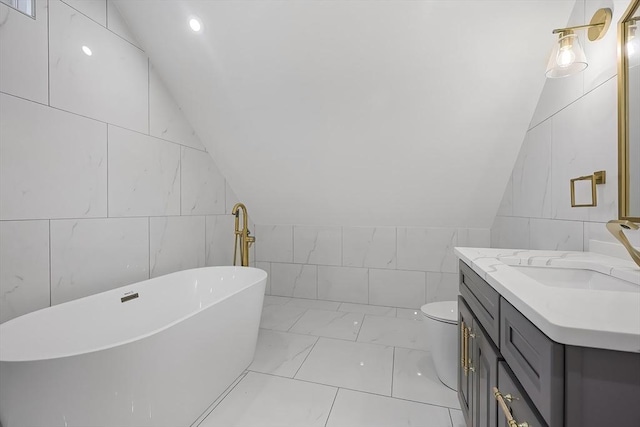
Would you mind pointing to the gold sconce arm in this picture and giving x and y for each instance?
(597, 178)
(598, 26)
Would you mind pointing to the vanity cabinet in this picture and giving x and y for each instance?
(543, 383)
(478, 367)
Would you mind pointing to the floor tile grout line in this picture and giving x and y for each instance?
(306, 357)
(334, 402)
(330, 337)
(297, 320)
(220, 398)
(393, 368)
(354, 389)
(450, 417)
(361, 326)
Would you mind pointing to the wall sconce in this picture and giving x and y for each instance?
(567, 57)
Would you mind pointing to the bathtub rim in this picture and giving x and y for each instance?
(119, 290)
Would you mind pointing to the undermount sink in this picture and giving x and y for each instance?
(576, 279)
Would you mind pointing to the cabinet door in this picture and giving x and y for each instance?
(465, 379)
(485, 376)
(521, 409)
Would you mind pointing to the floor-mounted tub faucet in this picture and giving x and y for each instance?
(617, 227)
(243, 237)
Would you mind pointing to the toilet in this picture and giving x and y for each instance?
(441, 320)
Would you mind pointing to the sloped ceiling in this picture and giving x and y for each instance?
(357, 112)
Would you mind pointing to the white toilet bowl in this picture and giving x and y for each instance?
(441, 320)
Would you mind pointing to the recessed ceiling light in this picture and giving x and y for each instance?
(87, 51)
(195, 24)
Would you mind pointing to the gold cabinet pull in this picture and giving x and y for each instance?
(463, 355)
(470, 335)
(507, 413)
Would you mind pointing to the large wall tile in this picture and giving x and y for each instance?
(506, 204)
(317, 245)
(203, 186)
(89, 256)
(24, 65)
(118, 25)
(52, 164)
(397, 288)
(427, 249)
(144, 175)
(110, 85)
(584, 142)
(556, 95)
(94, 9)
(220, 240)
(346, 284)
(274, 243)
(442, 287)
(532, 174)
(294, 280)
(266, 266)
(556, 235)
(598, 231)
(230, 199)
(510, 233)
(24, 267)
(177, 243)
(369, 247)
(474, 237)
(166, 119)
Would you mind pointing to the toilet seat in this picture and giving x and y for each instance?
(443, 311)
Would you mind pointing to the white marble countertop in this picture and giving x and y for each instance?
(588, 318)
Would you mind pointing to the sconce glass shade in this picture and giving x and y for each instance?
(567, 57)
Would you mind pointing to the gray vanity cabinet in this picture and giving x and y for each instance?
(465, 381)
(478, 364)
(485, 375)
(477, 370)
(544, 383)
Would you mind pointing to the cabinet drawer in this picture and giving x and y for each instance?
(536, 361)
(483, 300)
(522, 410)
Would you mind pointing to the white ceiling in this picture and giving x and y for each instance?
(357, 112)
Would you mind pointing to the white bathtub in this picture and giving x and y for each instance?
(157, 360)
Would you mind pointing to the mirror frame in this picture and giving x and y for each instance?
(623, 114)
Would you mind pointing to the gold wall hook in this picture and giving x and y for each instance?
(597, 178)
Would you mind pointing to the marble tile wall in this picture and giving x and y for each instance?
(386, 266)
(573, 133)
(103, 182)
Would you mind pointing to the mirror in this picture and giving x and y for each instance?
(629, 113)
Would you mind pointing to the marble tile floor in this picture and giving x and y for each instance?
(330, 364)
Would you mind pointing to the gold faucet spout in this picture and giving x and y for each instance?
(617, 227)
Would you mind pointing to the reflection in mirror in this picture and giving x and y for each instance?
(629, 113)
(24, 6)
(633, 118)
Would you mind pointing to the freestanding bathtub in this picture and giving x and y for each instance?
(155, 353)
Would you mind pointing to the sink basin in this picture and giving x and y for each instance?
(571, 278)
